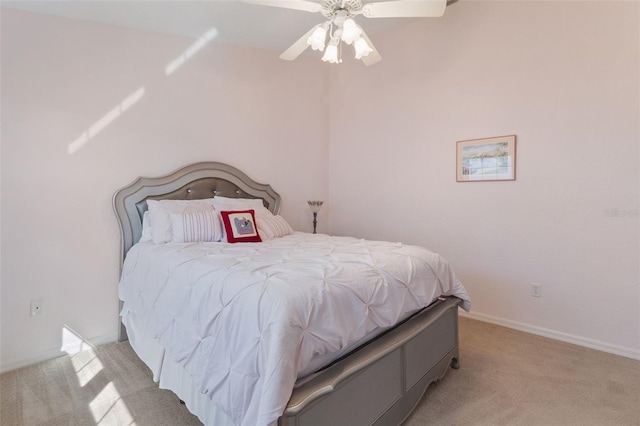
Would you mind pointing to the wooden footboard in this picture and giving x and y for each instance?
(382, 382)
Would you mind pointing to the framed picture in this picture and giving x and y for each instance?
(486, 159)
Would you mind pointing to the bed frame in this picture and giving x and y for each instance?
(380, 382)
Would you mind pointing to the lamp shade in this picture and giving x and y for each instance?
(315, 206)
(331, 52)
(317, 38)
(362, 48)
(350, 31)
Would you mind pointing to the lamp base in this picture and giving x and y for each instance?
(315, 222)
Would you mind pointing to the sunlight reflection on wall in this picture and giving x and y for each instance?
(191, 50)
(107, 119)
(72, 342)
(116, 112)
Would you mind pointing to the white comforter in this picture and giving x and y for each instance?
(244, 319)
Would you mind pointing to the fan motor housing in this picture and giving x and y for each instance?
(331, 7)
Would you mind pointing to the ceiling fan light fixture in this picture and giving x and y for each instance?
(341, 27)
(362, 48)
(318, 37)
(350, 31)
(331, 52)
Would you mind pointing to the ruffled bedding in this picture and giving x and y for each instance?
(245, 319)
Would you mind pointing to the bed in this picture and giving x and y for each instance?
(298, 370)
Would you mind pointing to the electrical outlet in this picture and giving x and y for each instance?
(536, 290)
(36, 307)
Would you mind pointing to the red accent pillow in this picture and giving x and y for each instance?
(240, 226)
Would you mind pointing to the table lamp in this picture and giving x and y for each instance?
(315, 207)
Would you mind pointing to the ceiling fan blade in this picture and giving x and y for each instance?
(305, 5)
(298, 47)
(373, 57)
(405, 9)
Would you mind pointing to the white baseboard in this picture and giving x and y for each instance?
(552, 334)
(51, 354)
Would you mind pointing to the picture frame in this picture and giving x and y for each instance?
(487, 159)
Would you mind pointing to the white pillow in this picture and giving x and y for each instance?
(225, 203)
(272, 226)
(194, 226)
(146, 228)
(160, 211)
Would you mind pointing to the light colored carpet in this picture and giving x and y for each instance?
(106, 386)
(506, 377)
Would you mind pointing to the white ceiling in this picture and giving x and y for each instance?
(235, 22)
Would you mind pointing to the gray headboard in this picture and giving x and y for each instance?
(193, 182)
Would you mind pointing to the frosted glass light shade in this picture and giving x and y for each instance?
(331, 53)
(350, 31)
(317, 38)
(315, 206)
(362, 48)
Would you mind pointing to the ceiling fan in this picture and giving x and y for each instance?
(341, 27)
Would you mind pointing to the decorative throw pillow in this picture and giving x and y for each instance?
(160, 211)
(240, 226)
(196, 226)
(272, 226)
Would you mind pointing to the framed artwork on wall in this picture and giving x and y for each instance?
(487, 159)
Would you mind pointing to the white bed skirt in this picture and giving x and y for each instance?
(170, 375)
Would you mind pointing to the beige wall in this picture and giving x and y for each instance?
(65, 80)
(562, 76)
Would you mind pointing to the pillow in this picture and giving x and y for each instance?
(160, 211)
(225, 203)
(269, 225)
(146, 228)
(195, 226)
(255, 204)
(272, 226)
(240, 226)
